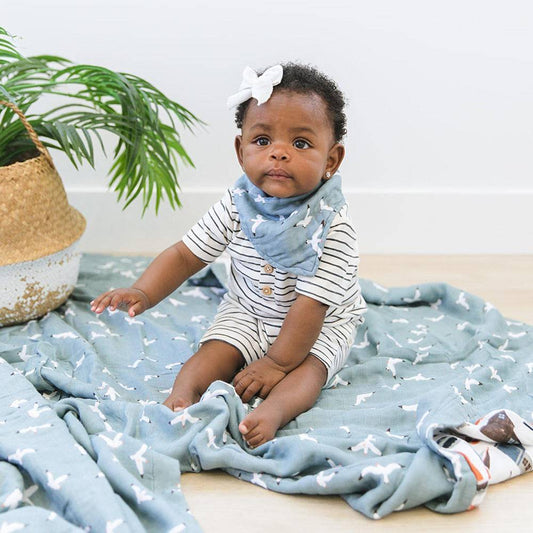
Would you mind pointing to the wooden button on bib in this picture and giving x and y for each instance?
(268, 269)
(267, 291)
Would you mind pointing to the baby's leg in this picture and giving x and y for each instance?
(214, 360)
(294, 394)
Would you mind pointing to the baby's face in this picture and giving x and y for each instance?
(287, 144)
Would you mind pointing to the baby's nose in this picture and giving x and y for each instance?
(279, 152)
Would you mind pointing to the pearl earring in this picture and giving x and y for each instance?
(328, 175)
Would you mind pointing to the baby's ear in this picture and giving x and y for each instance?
(335, 157)
(238, 149)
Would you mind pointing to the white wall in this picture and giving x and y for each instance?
(440, 107)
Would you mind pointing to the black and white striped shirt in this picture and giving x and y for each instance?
(267, 292)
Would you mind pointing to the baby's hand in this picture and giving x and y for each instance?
(258, 378)
(134, 301)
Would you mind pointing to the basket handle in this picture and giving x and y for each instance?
(31, 132)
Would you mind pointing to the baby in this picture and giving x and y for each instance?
(286, 325)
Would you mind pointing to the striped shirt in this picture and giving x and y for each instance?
(268, 293)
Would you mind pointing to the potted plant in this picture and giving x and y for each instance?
(80, 102)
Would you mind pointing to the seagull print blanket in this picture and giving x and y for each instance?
(434, 405)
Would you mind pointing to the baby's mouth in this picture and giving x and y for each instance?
(278, 173)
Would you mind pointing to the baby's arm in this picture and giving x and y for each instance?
(163, 276)
(298, 334)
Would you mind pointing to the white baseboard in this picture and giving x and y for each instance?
(388, 222)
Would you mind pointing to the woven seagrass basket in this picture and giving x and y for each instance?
(39, 233)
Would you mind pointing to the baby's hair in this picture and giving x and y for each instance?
(304, 79)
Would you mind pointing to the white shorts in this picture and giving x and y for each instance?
(253, 337)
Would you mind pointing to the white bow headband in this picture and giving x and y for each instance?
(254, 86)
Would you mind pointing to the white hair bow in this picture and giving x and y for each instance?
(254, 86)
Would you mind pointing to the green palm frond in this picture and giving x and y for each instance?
(143, 120)
(8, 51)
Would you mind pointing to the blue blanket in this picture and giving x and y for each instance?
(434, 405)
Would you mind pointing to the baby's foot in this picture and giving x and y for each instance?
(178, 402)
(260, 425)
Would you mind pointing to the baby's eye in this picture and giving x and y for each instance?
(301, 144)
(262, 141)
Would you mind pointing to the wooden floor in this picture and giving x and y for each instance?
(223, 504)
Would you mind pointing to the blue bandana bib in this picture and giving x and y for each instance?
(289, 233)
